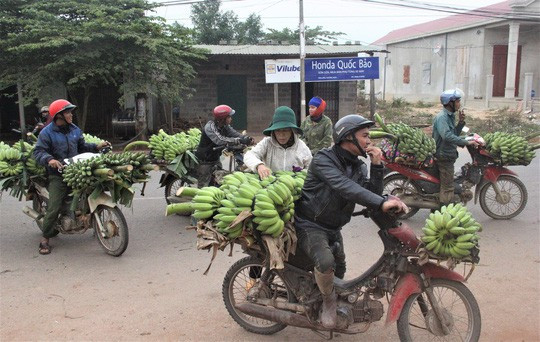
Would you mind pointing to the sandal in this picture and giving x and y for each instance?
(44, 248)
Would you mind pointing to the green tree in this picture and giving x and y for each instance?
(211, 25)
(250, 31)
(316, 35)
(86, 43)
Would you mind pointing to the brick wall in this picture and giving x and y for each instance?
(260, 96)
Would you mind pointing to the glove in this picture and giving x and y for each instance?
(246, 140)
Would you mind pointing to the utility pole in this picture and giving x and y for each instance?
(372, 101)
(302, 66)
(21, 110)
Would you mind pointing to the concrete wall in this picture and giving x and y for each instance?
(465, 58)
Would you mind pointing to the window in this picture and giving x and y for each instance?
(406, 74)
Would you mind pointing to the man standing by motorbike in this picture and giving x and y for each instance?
(337, 180)
(58, 140)
(446, 135)
(216, 132)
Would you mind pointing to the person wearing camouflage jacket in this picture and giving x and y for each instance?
(317, 127)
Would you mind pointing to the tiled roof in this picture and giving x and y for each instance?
(288, 50)
(450, 23)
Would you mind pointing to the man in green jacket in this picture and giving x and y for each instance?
(317, 127)
(446, 135)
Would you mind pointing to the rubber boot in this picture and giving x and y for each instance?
(325, 281)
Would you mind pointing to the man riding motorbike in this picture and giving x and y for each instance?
(335, 183)
(58, 140)
(446, 135)
(216, 132)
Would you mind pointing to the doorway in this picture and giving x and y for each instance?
(500, 58)
(232, 91)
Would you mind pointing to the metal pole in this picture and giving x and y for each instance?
(276, 95)
(21, 110)
(302, 66)
(371, 96)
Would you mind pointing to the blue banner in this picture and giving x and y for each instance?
(341, 69)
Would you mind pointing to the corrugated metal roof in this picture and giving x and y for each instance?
(288, 50)
(448, 24)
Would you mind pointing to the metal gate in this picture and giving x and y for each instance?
(328, 91)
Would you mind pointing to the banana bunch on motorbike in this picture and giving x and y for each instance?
(511, 149)
(270, 201)
(167, 147)
(451, 232)
(408, 145)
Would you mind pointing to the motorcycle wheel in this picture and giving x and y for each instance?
(396, 182)
(512, 201)
(116, 240)
(235, 289)
(417, 321)
(39, 205)
(172, 185)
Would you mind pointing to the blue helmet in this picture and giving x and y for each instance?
(450, 95)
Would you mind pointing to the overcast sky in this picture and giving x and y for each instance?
(360, 21)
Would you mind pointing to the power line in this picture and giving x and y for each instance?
(528, 16)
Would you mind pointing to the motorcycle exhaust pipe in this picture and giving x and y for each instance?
(31, 212)
(411, 202)
(276, 315)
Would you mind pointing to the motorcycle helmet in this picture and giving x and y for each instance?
(451, 95)
(44, 109)
(58, 107)
(222, 111)
(347, 126)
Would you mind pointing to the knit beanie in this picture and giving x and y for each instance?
(319, 103)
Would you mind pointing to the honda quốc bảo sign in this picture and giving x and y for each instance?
(341, 69)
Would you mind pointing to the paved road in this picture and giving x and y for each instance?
(156, 290)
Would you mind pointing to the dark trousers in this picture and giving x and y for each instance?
(446, 177)
(58, 190)
(320, 246)
(204, 172)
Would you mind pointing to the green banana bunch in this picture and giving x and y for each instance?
(414, 146)
(271, 202)
(206, 202)
(451, 232)
(168, 147)
(11, 163)
(91, 139)
(510, 148)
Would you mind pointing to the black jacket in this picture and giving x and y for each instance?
(335, 183)
(213, 136)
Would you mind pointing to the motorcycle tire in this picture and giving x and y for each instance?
(172, 185)
(394, 182)
(235, 288)
(506, 207)
(417, 321)
(113, 219)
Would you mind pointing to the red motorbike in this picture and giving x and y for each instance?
(428, 301)
(502, 195)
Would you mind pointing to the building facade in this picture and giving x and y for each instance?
(235, 75)
(492, 53)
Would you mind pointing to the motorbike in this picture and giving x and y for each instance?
(171, 182)
(426, 300)
(501, 194)
(97, 212)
